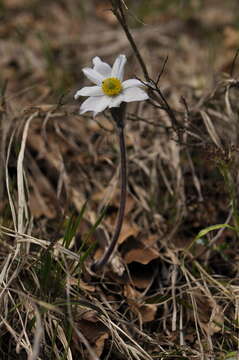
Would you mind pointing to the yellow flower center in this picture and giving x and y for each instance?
(111, 86)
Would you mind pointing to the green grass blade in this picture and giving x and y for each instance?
(72, 226)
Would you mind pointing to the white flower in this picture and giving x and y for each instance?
(110, 89)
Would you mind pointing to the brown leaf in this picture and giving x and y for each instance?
(100, 342)
(92, 330)
(141, 253)
(130, 293)
(128, 229)
(82, 284)
(210, 314)
(130, 204)
(95, 332)
(215, 323)
(145, 312)
(148, 312)
(150, 240)
(91, 316)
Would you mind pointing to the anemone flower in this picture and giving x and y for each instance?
(109, 90)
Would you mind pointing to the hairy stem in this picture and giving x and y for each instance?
(118, 116)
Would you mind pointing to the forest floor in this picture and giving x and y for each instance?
(171, 290)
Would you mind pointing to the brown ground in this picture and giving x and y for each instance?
(175, 302)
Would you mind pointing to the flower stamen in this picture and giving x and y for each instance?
(111, 86)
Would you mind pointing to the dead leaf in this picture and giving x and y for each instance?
(148, 312)
(151, 240)
(130, 293)
(92, 330)
(98, 254)
(100, 342)
(215, 323)
(145, 312)
(82, 284)
(95, 332)
(210, 314)
(128, 229)
(141, 253)
(91, 316)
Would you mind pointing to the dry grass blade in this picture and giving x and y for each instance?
(39, 332)
(22, 205)
(134, 351)
(211, 129)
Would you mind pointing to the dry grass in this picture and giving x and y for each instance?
(167, 293)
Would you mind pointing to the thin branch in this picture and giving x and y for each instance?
(162, 70)
(118, 11)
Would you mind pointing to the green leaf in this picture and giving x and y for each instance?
(205, 231)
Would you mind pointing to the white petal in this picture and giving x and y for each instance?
(102, 104)
(118, 67)
(131, 82)
(134, 94)
(93, 76)
(101, 67)
(89, 91)
(116, 101)
(88, 105)
(95, 104)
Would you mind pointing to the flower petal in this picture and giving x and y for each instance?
(101, 67)
(95, 104)
(93, 76)
(88, 105)
(116, 101)
(131, 82)
(134, 94)
(89, 91)
(118, 67)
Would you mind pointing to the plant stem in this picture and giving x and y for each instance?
(119, 14)
(118, 116)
